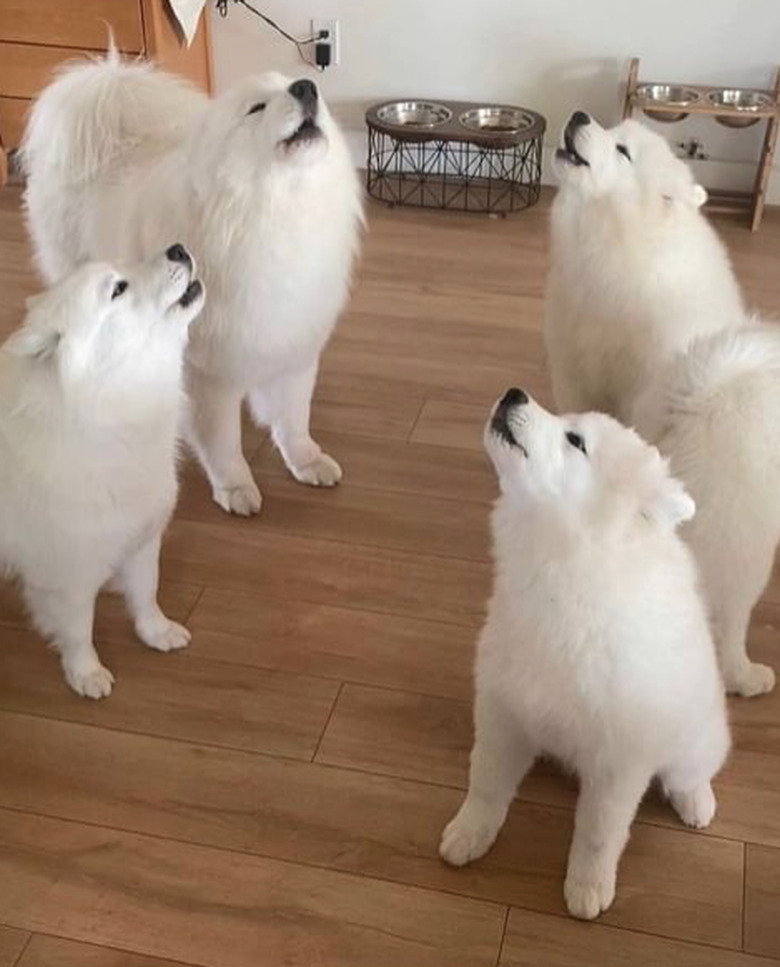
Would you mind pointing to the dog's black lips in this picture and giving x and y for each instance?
(191, 293)
(501, 428)
(569, 151)
(306, 131)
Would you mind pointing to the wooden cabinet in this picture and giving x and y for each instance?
(64, 23)
(36, 36)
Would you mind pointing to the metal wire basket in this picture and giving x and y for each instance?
(454, 155)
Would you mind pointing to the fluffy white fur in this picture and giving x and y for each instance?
(596, 648)
(123, 159)
(713, 411)
(637, 272)
(90, 396)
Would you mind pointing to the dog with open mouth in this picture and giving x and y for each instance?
(636, 272)
(596, 649)
(259, 184)
(91, 393)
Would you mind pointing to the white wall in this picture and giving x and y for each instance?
(549, 55)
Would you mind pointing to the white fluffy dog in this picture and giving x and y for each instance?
(596, 647)
(258, 183)
(637, 272)
(714, 412)
(90, 397)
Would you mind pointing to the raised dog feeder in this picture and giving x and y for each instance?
(731, 107)
(669, 96)
(746, 103)
(455, 155)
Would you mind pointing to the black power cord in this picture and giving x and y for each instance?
(222, 7)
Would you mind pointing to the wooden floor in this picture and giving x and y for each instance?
(275, 794)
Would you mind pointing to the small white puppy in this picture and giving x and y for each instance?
(258, 183)
(596, 647)
(90, 397)
(637, 272)
(714, 412)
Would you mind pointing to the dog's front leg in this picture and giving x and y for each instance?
(605, 810)
(66, 616)
(138, 579)
(499, 760)
(213, 429)
(285, 405)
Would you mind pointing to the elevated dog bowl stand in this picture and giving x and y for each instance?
(465, 158)
(728, 201)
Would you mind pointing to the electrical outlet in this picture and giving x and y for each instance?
(331, 28)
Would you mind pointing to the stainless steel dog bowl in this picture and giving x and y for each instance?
(496, 120)
(742, 100)
(414, 114)
(670, 95)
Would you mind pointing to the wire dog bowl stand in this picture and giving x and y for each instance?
(455, 155)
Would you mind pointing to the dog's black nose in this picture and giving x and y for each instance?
(514, 397)
(578, 119)
(305, 92)
(178, 253)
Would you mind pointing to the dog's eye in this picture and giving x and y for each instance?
(576, 441)
(622, 149)
(118, 289)
(255, 108)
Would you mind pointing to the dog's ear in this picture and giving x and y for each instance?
(698, 196)
(666, 500)
(34, 343)
(685, 192)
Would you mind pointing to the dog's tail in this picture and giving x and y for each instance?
(714, 363)
(95, 113)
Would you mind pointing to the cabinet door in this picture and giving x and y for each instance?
(67, 23)
(26, 69)
(13, 117)
(165, 46)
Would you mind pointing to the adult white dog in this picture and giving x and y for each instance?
(637, 272)
(90, 398)
(714, 412)
(596, 647)
(258, 183)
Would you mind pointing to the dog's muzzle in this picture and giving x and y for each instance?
(193, 291)
(305, 92)
(499, 423)
(569, 151)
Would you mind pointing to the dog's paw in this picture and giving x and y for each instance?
(168, 637)
(468, 836)
(695, 808)
(586, 898)
(323, 471)
(95, 682)
(244, 500)
(752, 679)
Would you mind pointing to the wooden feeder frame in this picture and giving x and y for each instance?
(728, 201)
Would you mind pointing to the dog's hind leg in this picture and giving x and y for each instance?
(66, 617)
(605, 810)
(285, 405)
(138, 578)
(500, 758)
(214, 431)
(687, 779)
(731, 619)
